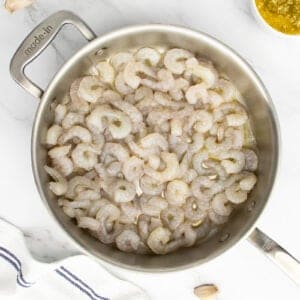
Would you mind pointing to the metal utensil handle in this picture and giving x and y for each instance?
(37, 41)
(289, 264)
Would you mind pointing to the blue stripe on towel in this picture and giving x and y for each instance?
(17, 264)
(83, 283)
(17, 269)
(82, 289)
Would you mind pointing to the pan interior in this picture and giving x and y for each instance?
(263, 121)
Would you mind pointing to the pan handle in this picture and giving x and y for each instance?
(37, 41)
(284, 260)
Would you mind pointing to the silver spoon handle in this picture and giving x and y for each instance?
(284, 260)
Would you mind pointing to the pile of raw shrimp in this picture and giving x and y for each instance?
(151, 151)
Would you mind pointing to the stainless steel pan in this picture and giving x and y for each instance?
(242, 225)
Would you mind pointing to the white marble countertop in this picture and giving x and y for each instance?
(241, 273)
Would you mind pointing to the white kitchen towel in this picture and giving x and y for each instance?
(76, 278)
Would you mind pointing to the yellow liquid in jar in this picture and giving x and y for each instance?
(282, 15)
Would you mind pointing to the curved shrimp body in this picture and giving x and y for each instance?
(233, 112)
(129, 241)
(196, 210)
(53, 134)
(176, 192)
(90, 89)
(148, 56)
(164, 83)
(119, 123)
(119, 60)
(106, 72)
(172, 217)
(123, 191)
(205, 72)
(197, 93)
(85, 156)
(174, 60)
(75, 134)
(200, 121)
(60, 185)
(170, 171)
(132, 69)
(221, 205)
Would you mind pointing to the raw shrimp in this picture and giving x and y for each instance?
(133, 168)
(155, 140)
(185, 234)
(130, 212)
(148, 56)
(53, 134)
(200, 121)
(123, 191)
(85, 156)
(221, 205)
(170, 171)
(151, 186)
(129, 241)
(83, 204)
(174, 60)
(251, 160)
(60, 112)
(154, 161)
(90, 89)
(88, 223)
(60, 186)
(165, 100)
(116, 150)
(139, 150)
(71, 119)
(198, 161)
(120, 59)
(197, 144)
(78, 104)
(201, 186)
(132, 69)
(164, 82)
(176, 127)
(114, 168)
(78, 184)
(121, 86)
(233, 112)
(214, 99)
(189, 176)
(109, 227)
(235, 194)
(176, 192)
(106, 72)
(60, 159)
(133, 113)
(172, 217)
(76, 133)
(180, 85)
(201, 70)
(153, 206)
(196, 210)
(158, 240)
(119, 123)
(88, 195)
(95, 206)
(227, 89)
(217, 219)
(196, 93)
(248, 182)
(233, 161)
